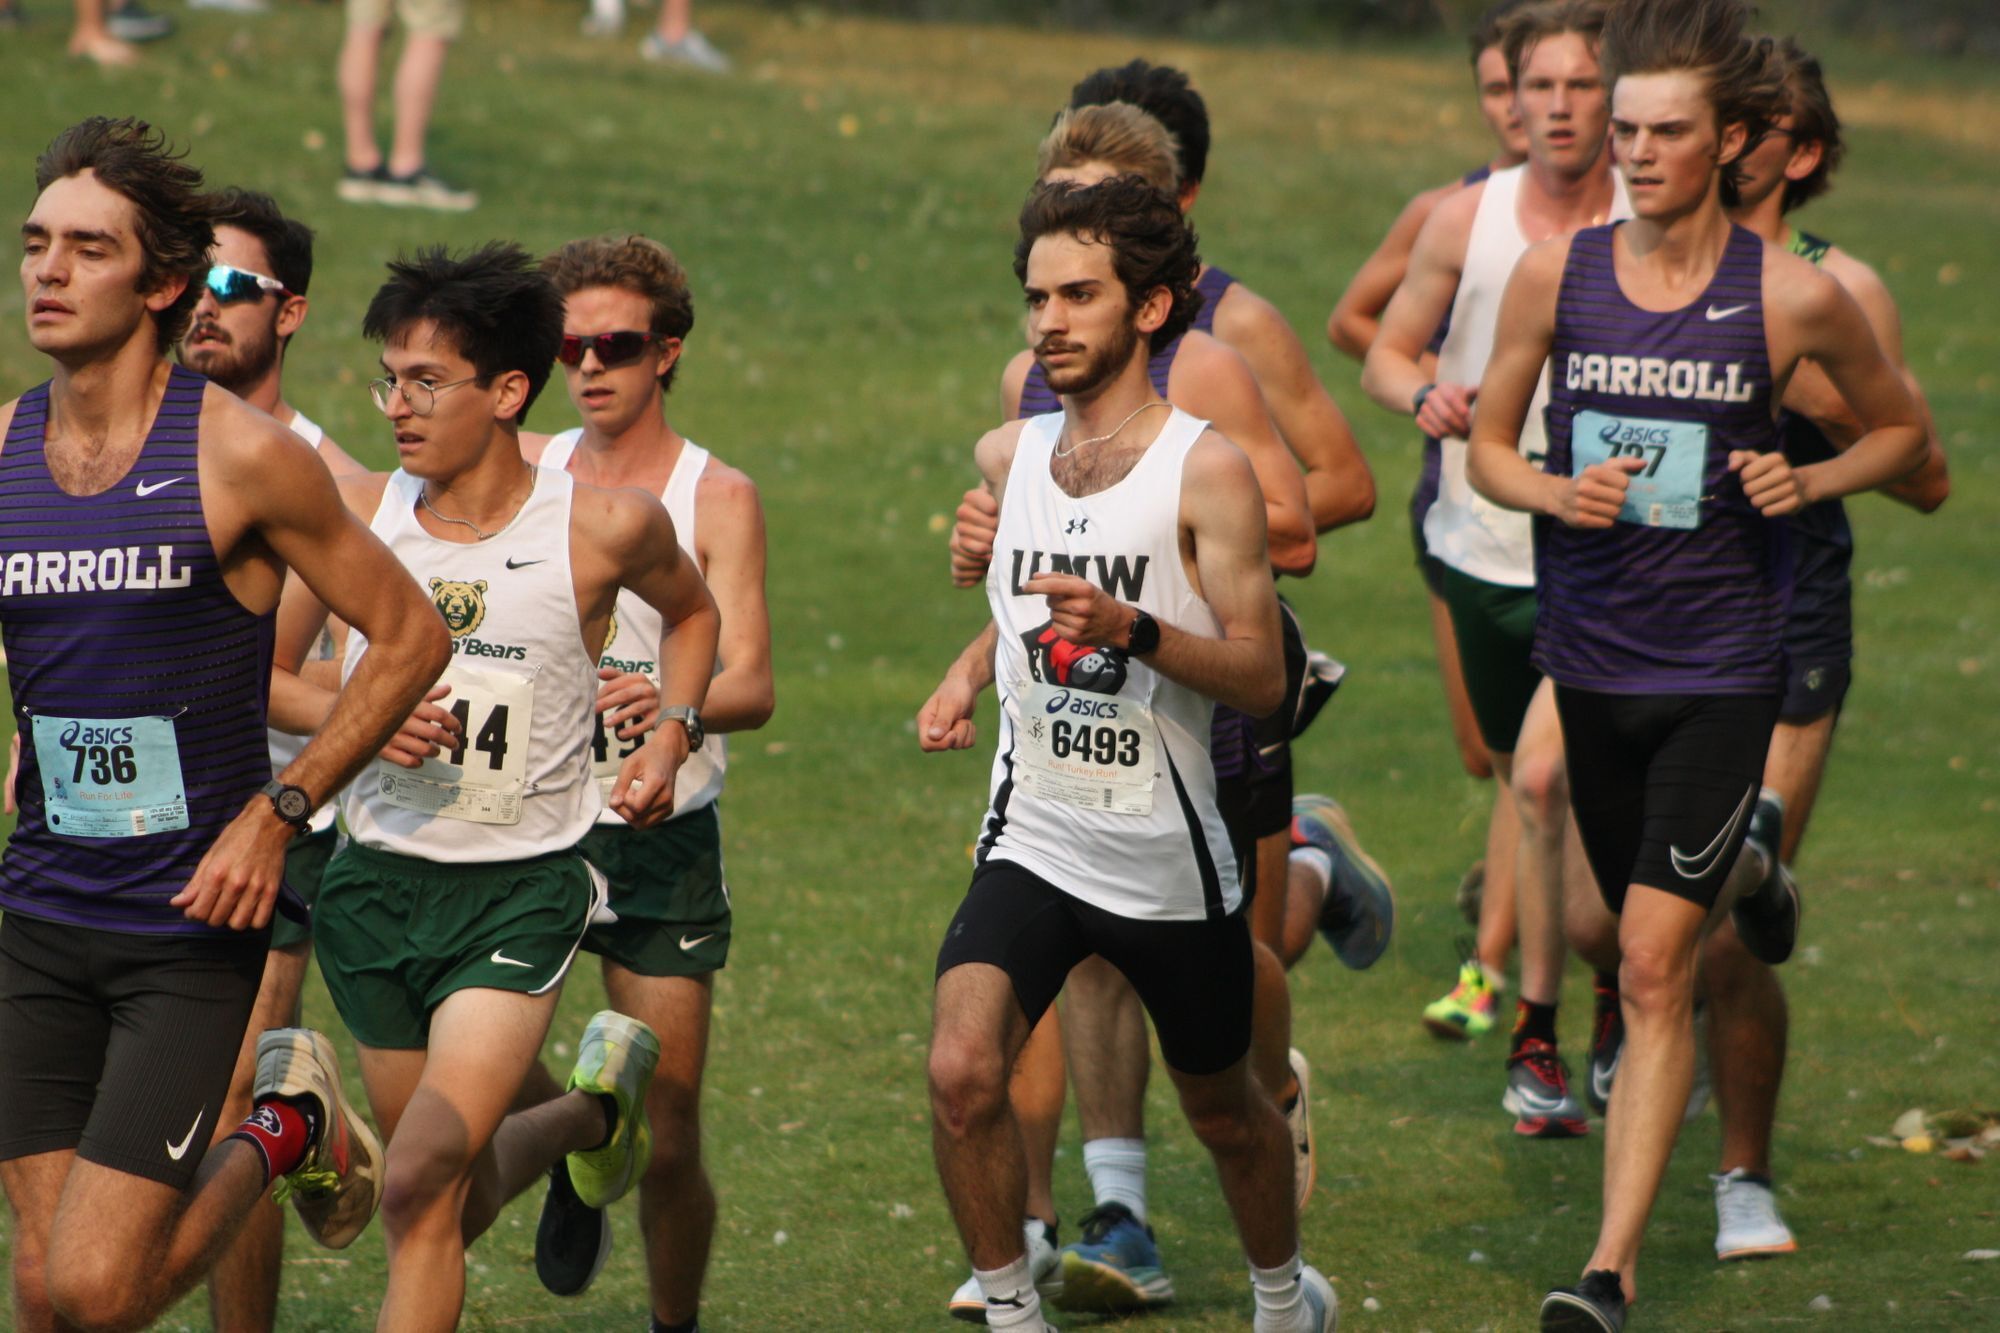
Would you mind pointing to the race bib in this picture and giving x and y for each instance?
(1666, 493)
(1093, 751)
(484, 780)
(110, 777)
(608, 754)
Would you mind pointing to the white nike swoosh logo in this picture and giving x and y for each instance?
(687, 943)
(145, 489)
(1537, 1102)
(1601, 1077)
(1699, 864)
(179, 1150)
(1725, 312)
(499, 957)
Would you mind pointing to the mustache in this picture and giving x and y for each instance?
(206, 330)
(1049, 345)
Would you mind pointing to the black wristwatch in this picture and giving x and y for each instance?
(1417, 402)
(1144, 636)
(291, 804)
(690, 719)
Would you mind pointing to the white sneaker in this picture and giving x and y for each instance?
(1747, 1225)
(1321, 1303)
(1044, 1269)
(1298, 1119)
(693, 51)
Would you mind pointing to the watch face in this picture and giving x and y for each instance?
(293, 804)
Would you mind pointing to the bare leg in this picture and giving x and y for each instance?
(676, 1200)
(676, 17)
(33, 1185)
(1109, 1055)
(1038, 1089)
(418, 74)
(1240, 1126)
(977, 1031)
(1464, 725)
(1497, 902)
(1271, 1002)
(93, 41)
(243, 1287)
(1540, 784)
(1660, 935)
(360, 52)
(1588, 924)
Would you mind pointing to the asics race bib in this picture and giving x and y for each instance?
(1093, 751)
(483, 780)
(1666, 493)
(110, 777)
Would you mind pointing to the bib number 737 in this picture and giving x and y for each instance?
(484, 778)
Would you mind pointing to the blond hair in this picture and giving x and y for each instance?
(1118, 134)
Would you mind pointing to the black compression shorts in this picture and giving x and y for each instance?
(1663, 785)
(1194, 977)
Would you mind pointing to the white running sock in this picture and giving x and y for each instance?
(1317, 860)
(1011, 1301)
(1117, 1171)
(1281, 1304)
(611, 11)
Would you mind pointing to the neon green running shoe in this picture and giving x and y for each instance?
(1470, 1008)
(336, 1188)
(616, 1057)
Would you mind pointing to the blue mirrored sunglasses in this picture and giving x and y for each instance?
(230, 285)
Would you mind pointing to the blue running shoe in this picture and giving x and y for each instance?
(1115, 1268)
(1359, 914)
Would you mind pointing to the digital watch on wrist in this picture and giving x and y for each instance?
(291, 804)
(1144, 636)
(690, 719)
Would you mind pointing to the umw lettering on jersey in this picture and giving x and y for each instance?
(112, 569)
(512, 652)
(1121, 576)
(1657, 377)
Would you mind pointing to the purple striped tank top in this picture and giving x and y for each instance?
(1036, 398)
(1685, 594)
(116, 618)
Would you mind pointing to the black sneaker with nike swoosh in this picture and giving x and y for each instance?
(1594, 1305)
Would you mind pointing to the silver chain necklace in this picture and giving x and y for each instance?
(424, 499)
(1100, 439)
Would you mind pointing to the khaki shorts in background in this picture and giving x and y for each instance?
(421, 18)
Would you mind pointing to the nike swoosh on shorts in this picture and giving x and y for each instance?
(1701, 863)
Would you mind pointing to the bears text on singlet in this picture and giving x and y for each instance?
(1120, 576)
(1657, 377)
(109, 569)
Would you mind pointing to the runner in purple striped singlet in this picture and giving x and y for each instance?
(146, 523)
(253, 305)
(1748, 1023)
(1669, 341)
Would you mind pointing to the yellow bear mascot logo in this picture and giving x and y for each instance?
(463, 605)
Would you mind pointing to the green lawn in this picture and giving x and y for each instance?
(845, 206)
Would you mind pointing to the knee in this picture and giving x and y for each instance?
(1541, 790)
(676, 1142)
(968, 1081)
(415, 1185)
(1655, 981)
(1226, 1130)
(91, 1293)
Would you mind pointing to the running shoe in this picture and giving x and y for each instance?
(1767, 917)
(1747, 1225)
(1359, 913)
(135, 23)
(362, 187)
(1115, 1268)
(1607, 1043)
(1594, 1305)
(615, 1059)
(422, 189)
(1538, 1095)
(336, 1187)
(572, 1240)
(1321, 1302)
(1469, 1010)
(1298, 1119)
(1471, 893)
(1045, 1269)
(693, 51)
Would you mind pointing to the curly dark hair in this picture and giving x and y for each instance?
(1152, 244)
(494, 304)
(288, 241)
(174, 219)
(636, 264)
(1162, 92)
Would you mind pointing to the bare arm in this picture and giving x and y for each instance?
(1221, 510)
(1394, 369)
(1356, 318)
(1339, 487)
(742, 696)
(945, 720)
(1212, 381)
(1930, 485)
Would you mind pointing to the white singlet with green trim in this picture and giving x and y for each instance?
(522, 686)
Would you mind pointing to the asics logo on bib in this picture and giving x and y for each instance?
(76, 733)
(112, 569)
(1635, 432)
(1079, 706)
(1122, 577)
(463, 605)
(1657, 377)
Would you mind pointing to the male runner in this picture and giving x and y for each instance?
(1747, 1017)
(447, 923)
(1351, 328)
(1670, 340)
(627, 312)
(1459, 268)
(1104, 835)
(252, 306)
(147, 527)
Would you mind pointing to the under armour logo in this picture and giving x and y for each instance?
(1077, 525)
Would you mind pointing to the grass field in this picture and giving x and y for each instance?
(845, 207)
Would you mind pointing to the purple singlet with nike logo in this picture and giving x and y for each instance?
(1685, 593)
(126, 651)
